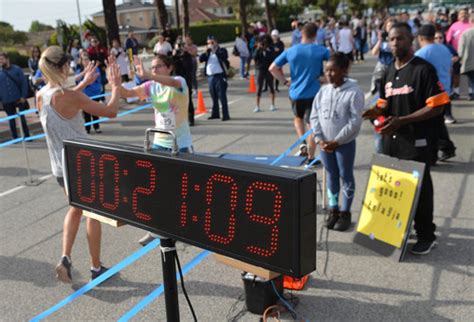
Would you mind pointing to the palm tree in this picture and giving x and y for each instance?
(110, 16)
(185, 16)
(162, 14)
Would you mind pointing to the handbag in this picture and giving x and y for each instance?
(235, 51)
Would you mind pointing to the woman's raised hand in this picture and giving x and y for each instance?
(90, 73)
(113, 74)
(139, 69)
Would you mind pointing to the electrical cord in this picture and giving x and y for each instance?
(184, 289)
(290, 308)
(231, 315)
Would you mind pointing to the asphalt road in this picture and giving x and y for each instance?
(358, 284)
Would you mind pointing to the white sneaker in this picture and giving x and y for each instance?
(256, 109)
(273, 108)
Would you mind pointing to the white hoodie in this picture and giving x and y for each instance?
(337, 112)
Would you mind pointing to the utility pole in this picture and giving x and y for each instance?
(80, 22)
(176, 5)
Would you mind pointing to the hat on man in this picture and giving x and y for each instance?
(275, 33)
(211, 37)
(427, 30)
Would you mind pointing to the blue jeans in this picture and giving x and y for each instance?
(378, 143)
(340, 165)
(243, 62)
(157, 147)
(470, 80)
(218, 90)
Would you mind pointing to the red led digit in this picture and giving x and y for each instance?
(80, 155)
(184, 194)
(262, 219)
(144, 190)
(102, 160)
(210, 200)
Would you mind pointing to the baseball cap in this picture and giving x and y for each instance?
(275, 33)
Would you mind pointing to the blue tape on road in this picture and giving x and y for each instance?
(157, 292)
(294, 145)
(113, 270)
(25, 112)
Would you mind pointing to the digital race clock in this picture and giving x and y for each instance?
(262, 215)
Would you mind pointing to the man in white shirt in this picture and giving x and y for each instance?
(217, 63)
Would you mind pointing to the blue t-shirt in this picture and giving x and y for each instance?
(306, 66)
(440, 57)
(95, 88)
(321, 36)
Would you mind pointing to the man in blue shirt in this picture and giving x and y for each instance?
(440, 57)
(13, 92)
(306, 67)
(296, 34)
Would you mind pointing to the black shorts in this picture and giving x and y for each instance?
(302, 108)
(60, 181)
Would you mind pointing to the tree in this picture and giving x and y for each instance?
(110, 16)
(328, 6)
(243, 14)
(268, 13)
(162, 14)
(185, 17)
(9, 37)
(38, 26)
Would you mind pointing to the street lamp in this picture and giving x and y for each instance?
(80, 22)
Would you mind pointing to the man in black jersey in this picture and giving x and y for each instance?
(411, 97)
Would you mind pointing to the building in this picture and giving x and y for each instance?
(139, 16)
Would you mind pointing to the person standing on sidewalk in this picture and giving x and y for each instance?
(216, 66)
(336, 118)
(61, 120)
(242, 51)
(306, 67)
(13, 92)
(466, 52)
(410, 99)
(440, 57)
(453, 36)
(263, 58)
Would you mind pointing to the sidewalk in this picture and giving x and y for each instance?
(34, 121)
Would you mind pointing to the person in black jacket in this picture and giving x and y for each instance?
(263, 57)
(217, 64)
(278, 47)
(183, 62)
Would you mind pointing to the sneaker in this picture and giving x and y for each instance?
(145, 240)
(303, 150)
(449, 120)
(332, 218)
(256, 109)
(95, 274)
(447, 155)
(63, 270)
(423, 247)
(454, 96)
(315, 164)
(344, 221)
(273, 108)
(97, 131)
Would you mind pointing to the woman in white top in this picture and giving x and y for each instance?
(162, 47)
(122, 59)
(345, 40)
(60, 114)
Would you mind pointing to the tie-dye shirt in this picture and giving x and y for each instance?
(171, 112)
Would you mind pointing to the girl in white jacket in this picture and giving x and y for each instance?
(336, 119)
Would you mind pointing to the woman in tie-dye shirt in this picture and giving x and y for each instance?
(169, 96)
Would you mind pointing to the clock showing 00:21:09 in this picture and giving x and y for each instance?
(258, 214)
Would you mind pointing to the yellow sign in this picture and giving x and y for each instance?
(387, 204)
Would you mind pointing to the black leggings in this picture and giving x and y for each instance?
(264, 75)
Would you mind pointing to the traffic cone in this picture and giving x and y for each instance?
(201, 109)
(294, 283)
(252, 88)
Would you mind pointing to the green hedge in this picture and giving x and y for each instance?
(17, 58)
(224, 31)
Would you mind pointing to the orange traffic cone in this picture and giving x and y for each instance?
(252, 88)
(201, 109)
(294, 283)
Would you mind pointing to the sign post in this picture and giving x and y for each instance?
(170, 284)
(389, 205)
